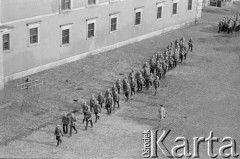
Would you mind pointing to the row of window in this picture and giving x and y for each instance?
(67, 4)
(91, 26)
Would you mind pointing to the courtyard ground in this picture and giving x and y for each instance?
(202, 95)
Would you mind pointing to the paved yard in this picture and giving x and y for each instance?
(202, 95)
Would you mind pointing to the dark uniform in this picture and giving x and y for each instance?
(85, 109)
(108, 94)
(133, 87)
(114, 88)
(118, 85)
(156, 84)
(65, 122)
(190, 44)
(124, 83)
(140, 82)
(127, 91)
(92, 102)
(96, 110)
(72, 124)
(116, 99)
(58, 134)
(88, 119)
(101, 99)
(109, 104)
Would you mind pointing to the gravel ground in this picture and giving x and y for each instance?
(202, 95)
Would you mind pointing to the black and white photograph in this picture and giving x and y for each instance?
(120, 79)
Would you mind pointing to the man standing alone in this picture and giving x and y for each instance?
(161, 113)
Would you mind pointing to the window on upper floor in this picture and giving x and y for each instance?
(189, 4)
(174, 11)
(92, 2)
(66, 4)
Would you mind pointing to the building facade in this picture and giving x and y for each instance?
(40, 34)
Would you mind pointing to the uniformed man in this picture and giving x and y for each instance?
(133, 87)
(116, 99)
(97, 109)
(127, 91)
(156, 84)
(114, 88)
(185, 50)
(161, 113)
(220, 25)
(182, 40)
(72, 124)
(92, 102)
(181, 54)
(190, 44)
(85, 109)
(88, 119)
(132, 75)
(58, 134)
(124, 83)
(118, 85)
(65, 122)
(108, 93)
(108, 104)
(140, 82)
(100, 99)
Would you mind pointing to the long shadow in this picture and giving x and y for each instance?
(39, 142)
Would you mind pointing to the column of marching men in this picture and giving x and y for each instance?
(229, 24)
(150, 75)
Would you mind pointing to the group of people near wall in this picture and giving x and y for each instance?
(151, 74)
(229, 24)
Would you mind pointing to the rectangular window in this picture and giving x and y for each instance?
(65, 4)
(159, 12)
(65, 34)
(174, 8)
(6, 42)
(91, 29)
(114, 22)
(189, 4)
(92, 2)
(138, 16)
(33, 35)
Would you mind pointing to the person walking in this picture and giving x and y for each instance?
(88, 119)
(65, 122)
(58, 134)
(72, 124)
